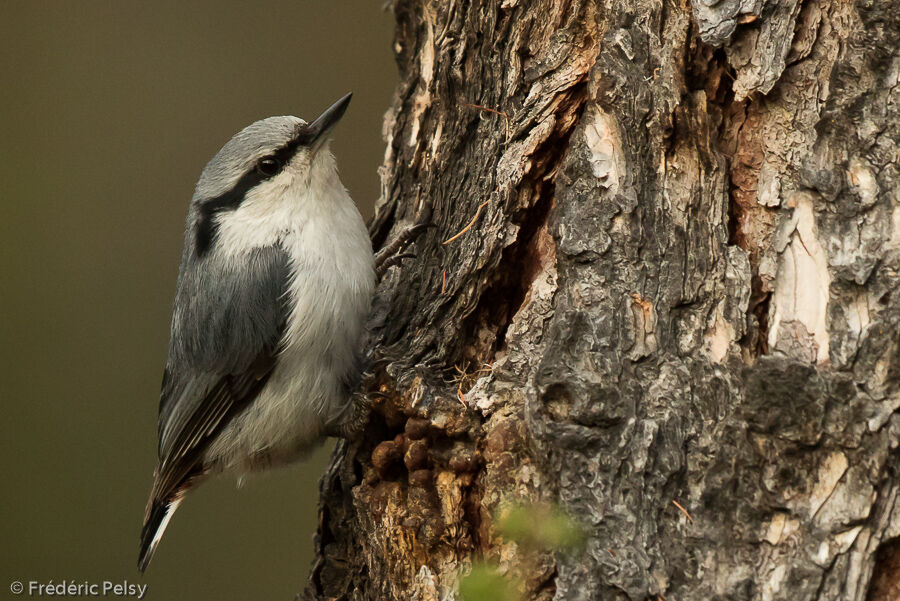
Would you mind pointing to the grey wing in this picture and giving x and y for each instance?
(227, 327)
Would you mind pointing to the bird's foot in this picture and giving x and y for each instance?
(354, 419)
(393, 253)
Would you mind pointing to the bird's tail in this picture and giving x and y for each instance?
(159, 512)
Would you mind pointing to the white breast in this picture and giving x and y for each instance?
(330, 293)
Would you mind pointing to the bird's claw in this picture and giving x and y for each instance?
(393, 254)
(355, 420)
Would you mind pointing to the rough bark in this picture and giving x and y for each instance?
(679, 286)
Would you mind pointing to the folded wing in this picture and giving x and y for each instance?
(227, 328)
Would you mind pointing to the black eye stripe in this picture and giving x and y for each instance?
(282, 157)
(205, 227)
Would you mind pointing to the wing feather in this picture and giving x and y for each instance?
(227, 328)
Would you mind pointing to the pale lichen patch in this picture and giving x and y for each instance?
(719, 337)
(781, 528)
(801, 288)
(605, 145)
(425, 586)
(773, 581)
(775, 528)
(642, 327)
(422, 99)
(862, 180)
(830, 473)
(436, 140)
(768, 186)
(844, 539)
(858, 317)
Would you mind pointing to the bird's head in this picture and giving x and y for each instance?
(268, 164)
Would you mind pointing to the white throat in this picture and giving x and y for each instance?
(302, 196)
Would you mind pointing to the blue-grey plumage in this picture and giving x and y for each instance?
(274, 288)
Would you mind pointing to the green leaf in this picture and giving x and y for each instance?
(485, 583)
(541, 526)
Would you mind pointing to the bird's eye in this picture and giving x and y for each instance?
(268, 166)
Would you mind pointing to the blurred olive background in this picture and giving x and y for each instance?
(109, 112)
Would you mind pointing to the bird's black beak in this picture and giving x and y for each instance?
(319, 129)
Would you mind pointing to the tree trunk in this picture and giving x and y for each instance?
(661, 295)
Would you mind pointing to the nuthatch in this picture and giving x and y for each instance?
(276, 281)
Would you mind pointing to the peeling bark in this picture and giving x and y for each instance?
(663, 277)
